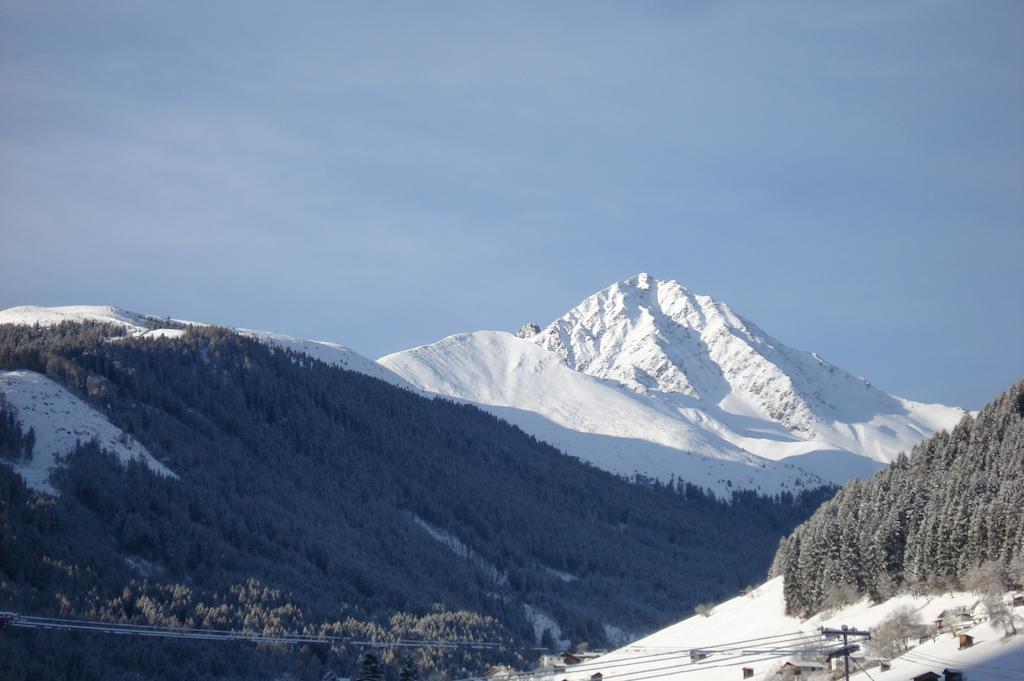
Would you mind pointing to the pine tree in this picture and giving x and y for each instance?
(408, 670)
(369, 668)
(925, 523)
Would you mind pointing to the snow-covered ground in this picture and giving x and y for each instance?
(753, 631)
(329, 353)
(60, 420)
(49, 316)
(647, 362)
(591, 418)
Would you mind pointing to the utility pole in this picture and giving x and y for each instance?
(846, 632)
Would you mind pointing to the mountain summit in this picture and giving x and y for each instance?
(664, 375)
(657, 336)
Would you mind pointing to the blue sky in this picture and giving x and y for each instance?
(849, 176)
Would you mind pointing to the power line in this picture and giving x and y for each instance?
(789, 640)
(921, 658)
(645, 673)
(715, 645)
(682, 660)
(285, 638)
(790, 643)
(705, 666)
(796, 643)
(846, 632)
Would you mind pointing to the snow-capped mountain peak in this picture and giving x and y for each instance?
(641, 332)
(657, 336)
(701, 379)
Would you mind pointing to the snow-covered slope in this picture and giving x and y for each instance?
(146, 325)
(48, 316)
(696, 378)
(753, 631)
(330, 353)
(60, 420)
(594, 419)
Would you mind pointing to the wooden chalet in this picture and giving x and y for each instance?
(798, 667)
(966, 641)
(836, 661)
(549, 661)
(748, 672)
(952, 675)
(499, 672)
(580, 656)
(927, 676)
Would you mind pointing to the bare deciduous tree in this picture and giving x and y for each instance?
(892, 635)
(1000, 615)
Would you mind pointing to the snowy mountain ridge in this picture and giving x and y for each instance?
(644, 377)
(657, 337)
(699, 379)
(141, 325)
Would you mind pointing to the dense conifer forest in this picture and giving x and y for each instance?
(955, 504)
(314, 499)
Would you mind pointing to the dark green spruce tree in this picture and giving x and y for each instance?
(956, 503)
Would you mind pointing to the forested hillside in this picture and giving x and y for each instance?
(956, 503)
(312, 498)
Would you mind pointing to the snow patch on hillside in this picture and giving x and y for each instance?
(560, 575)
(461, 549)
(542, 622)
(60, 420)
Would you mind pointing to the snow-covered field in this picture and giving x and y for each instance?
(60, 420)
(744, 631)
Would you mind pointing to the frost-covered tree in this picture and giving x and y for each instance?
(947, 514)
(840, 595)
(893, 634)
(985, 579)
(1001, 616)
